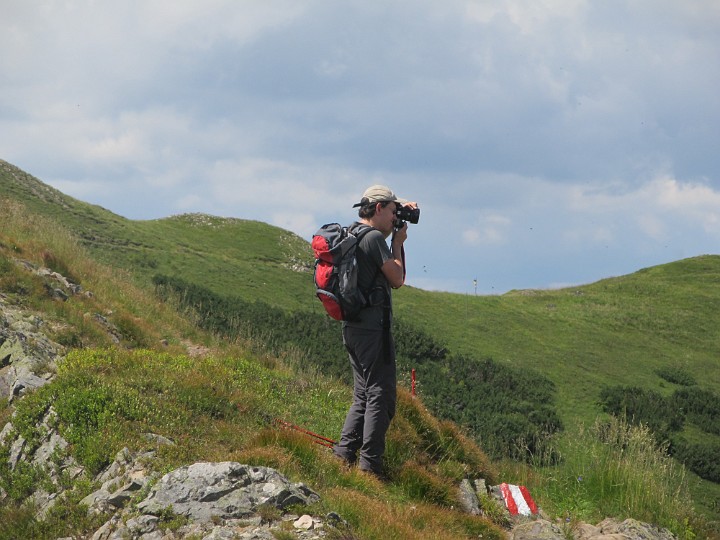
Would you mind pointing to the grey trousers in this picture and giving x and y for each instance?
(374, 399)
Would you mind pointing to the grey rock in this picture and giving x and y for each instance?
(158, 439)
(222, 533)
(16, 452)
(634, 530)
(123, 459)
(5, 433)
(207, 491)
(121, 480)
(304, 522)
(468, 499)
(27, 357)
(25, 380)
(104, 532)
(142, 524)
(537, 530)
(54, 443)
(97, 500)
(124, 494)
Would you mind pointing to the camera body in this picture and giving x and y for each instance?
(406, 214)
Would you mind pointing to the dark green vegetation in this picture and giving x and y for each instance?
(511, 368)
(667, 416)
(481, 395)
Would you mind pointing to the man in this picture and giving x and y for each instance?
(368, 339)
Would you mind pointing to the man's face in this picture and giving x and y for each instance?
(385, 217)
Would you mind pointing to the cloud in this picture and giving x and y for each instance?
(490, 229)
(656, 205)
(546, 141)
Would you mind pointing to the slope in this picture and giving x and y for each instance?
(616, 331)
(125, 371)
(228, 256)
(544, 330)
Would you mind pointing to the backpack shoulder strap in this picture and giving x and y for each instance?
(358, 229)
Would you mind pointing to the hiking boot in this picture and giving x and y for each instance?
(347, 463)
(382, 477)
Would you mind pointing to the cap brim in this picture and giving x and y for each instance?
(396, 200)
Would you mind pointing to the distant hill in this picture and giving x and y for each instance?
(228, 256)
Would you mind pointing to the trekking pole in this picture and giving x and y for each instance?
(317, 439)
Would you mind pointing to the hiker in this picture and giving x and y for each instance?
(368, 338)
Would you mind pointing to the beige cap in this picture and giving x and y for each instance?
(378, 193)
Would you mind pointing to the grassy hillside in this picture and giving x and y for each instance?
(616, 331)
(626, 331)
(216, 407)
(228, 256)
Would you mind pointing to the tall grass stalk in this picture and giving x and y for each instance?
(615, 469)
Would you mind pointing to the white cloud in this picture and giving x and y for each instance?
(491, 229)
(654, 205)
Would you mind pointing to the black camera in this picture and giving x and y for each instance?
(406, 213)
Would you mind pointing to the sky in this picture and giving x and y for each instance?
(548, 143)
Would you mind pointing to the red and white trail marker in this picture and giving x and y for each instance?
(518, 500)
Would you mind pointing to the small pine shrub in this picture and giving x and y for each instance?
(677, 375)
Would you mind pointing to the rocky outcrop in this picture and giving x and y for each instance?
(216, 500)
(213, 500)
(207, 491)
(609, 529)
(27, 357)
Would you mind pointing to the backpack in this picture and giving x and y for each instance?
(336, 270)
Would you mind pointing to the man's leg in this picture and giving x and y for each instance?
(351, 438)
(379, 377)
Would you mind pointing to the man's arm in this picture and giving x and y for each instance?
(393, 268)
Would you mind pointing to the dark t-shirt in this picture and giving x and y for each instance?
(372, 253)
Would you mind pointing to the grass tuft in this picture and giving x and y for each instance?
(613, 468)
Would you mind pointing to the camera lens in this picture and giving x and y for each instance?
(411, 215)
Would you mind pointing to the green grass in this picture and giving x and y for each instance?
(617, 331)
(226, 255)
(223, 409)
(219, 407)
(612, 468)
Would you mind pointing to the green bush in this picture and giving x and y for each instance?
(643, 407)
(701, 458)
(677, 375)
(701, 407)
(666, 416)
